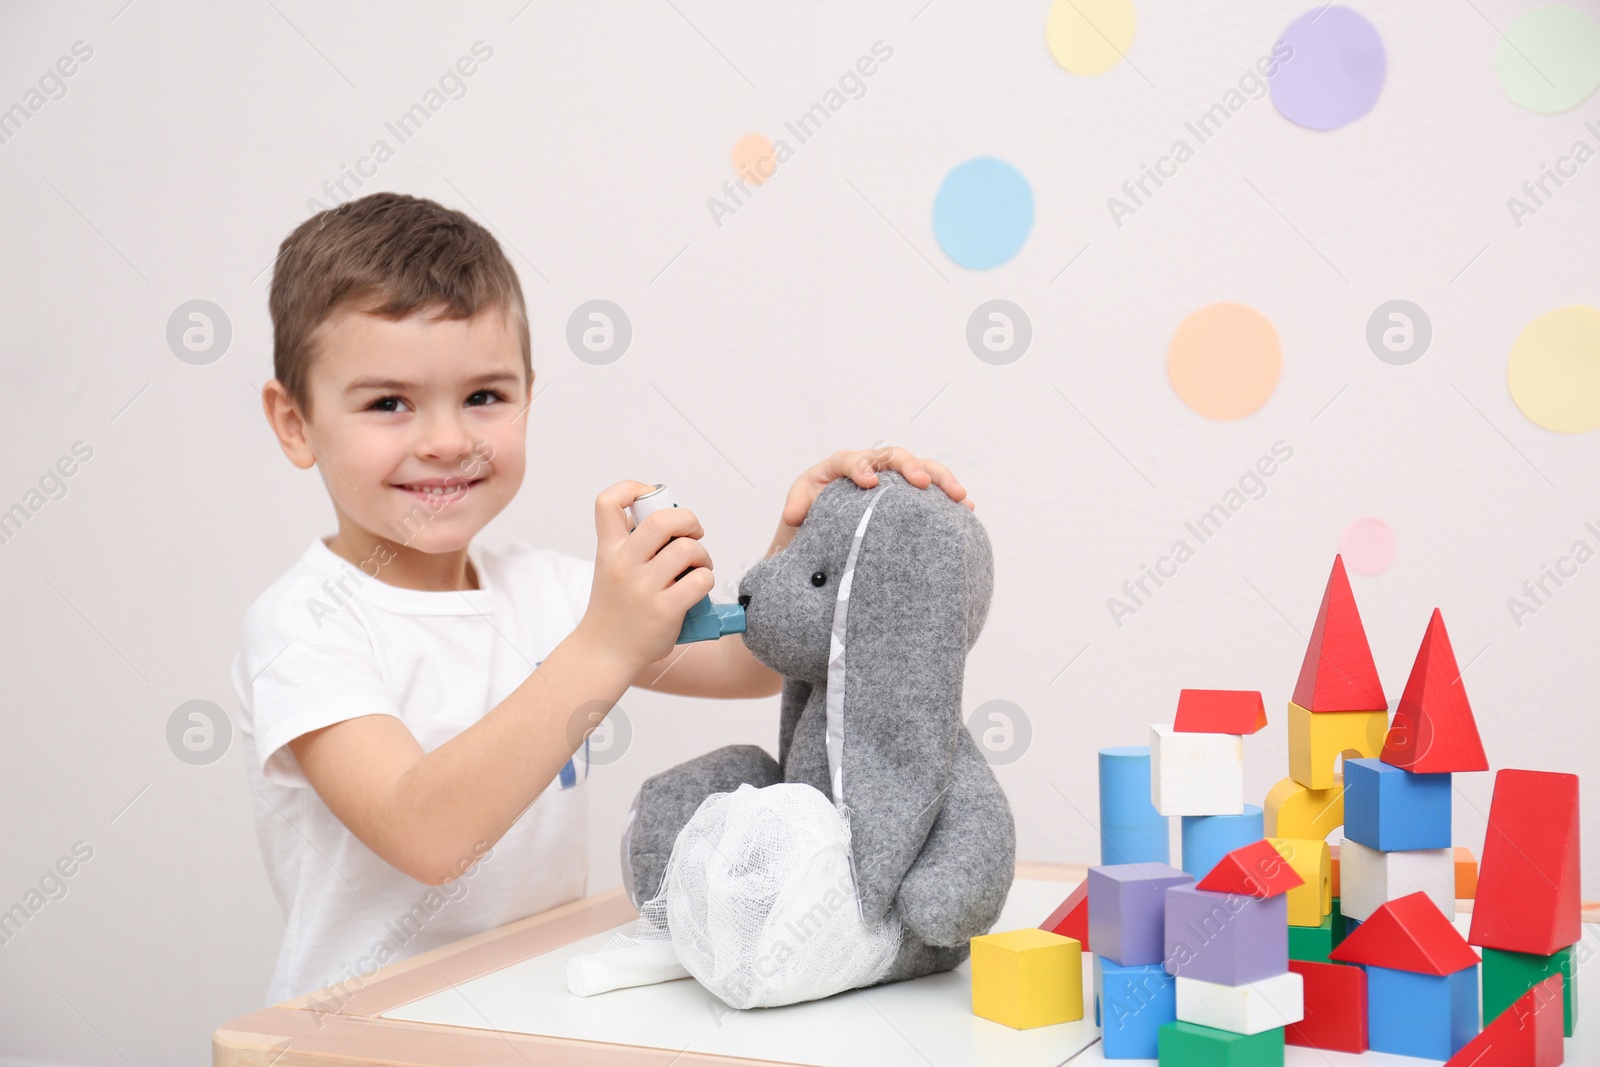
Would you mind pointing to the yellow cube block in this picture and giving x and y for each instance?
(1027, 978)
(1312, 901)
(1317, 739)
(1292, 810)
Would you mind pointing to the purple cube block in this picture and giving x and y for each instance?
(1127, 902)
(1228, 938)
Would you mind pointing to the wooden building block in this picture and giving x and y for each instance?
(1433, 729)
(1526, 1034)
(1392, 809)
(1266, 1004)
(1293, 810)
(1333, 868)
(1131, 1006)
(1427, 1015)
(1027, 978)
(1312, 901)
(1408, 934)
(1258, 870)
(1335, 999)
(1528, 881)
(1127, 902)
(1317, 740)
(1369, 878)
(1466, 874)
(1071, 918)
(1219, 711)
(1184, 1044)
(1207, 838)
(1338, 673)
(1508, 975)
(1313, 943)
(1131, 829)
(1225, 937)
(1196, 774)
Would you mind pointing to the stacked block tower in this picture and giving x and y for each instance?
(1267, 935)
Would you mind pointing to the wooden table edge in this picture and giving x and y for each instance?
(341, 1024)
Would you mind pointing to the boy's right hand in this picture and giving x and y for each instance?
(637, 602)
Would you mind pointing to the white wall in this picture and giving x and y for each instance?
(187, 147)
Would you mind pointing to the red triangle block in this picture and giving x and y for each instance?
(1254, 870)
(1527, 1034)
(1409, 933)
(1528, 879)
(1219, 711)
(1433, 731)
(1071, 919)
(1338, 673)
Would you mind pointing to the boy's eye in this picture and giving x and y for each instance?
(483, 397)
(386, 403)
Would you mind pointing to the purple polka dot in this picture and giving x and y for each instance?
(1335, 70)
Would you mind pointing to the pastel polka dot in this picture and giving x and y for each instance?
(1089, 36)
(1368, 546)
(1334, 71)
(1224, 360)
(1549, 59)
(1554, 369)
(983, 212)
(754, 159)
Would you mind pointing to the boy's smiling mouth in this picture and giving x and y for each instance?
(438, 490)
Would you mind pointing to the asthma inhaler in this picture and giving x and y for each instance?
(705, 621)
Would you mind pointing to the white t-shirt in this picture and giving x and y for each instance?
(325, 643)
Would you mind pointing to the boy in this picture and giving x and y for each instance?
(414, 777)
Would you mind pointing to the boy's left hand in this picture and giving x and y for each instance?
(862, 465)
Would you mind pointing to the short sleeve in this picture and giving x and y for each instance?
(294, 678)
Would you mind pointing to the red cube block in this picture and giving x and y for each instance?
(1335, 1007)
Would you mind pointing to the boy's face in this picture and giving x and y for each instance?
(417, 426)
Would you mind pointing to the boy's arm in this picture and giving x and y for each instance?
(432, 815)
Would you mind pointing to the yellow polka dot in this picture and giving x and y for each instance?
(1554, 369)
(1224, 360)
(753, 158)
(1089, 36)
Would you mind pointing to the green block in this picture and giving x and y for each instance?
(1186, 1045)
(1338, 923)
(1508, 975)
(1313, 943)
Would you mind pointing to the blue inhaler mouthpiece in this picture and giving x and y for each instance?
(705, 621)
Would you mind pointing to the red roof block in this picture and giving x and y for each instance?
(1338, 673)
(1528, 878)
(1433, 731)
(1071, 919)
(1254, 870)
(1219, 711)
(1527, 1034)
(1409, 933)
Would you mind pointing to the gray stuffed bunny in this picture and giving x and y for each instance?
(931, 832)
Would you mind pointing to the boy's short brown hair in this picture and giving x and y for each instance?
(391, 255)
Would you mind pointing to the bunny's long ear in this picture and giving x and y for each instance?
(913, 603)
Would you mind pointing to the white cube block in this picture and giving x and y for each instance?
(1369, 878)
(1196, 774)
(1265, 1004)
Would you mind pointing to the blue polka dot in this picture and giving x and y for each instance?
(983, 213)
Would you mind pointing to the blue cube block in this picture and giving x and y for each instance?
(1393, 810)
(1127, 905)
(1208, 838)
(1424, 1015)
(1131, 1004)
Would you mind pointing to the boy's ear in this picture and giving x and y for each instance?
(284, 416)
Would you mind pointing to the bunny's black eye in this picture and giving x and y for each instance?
(819, 579)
